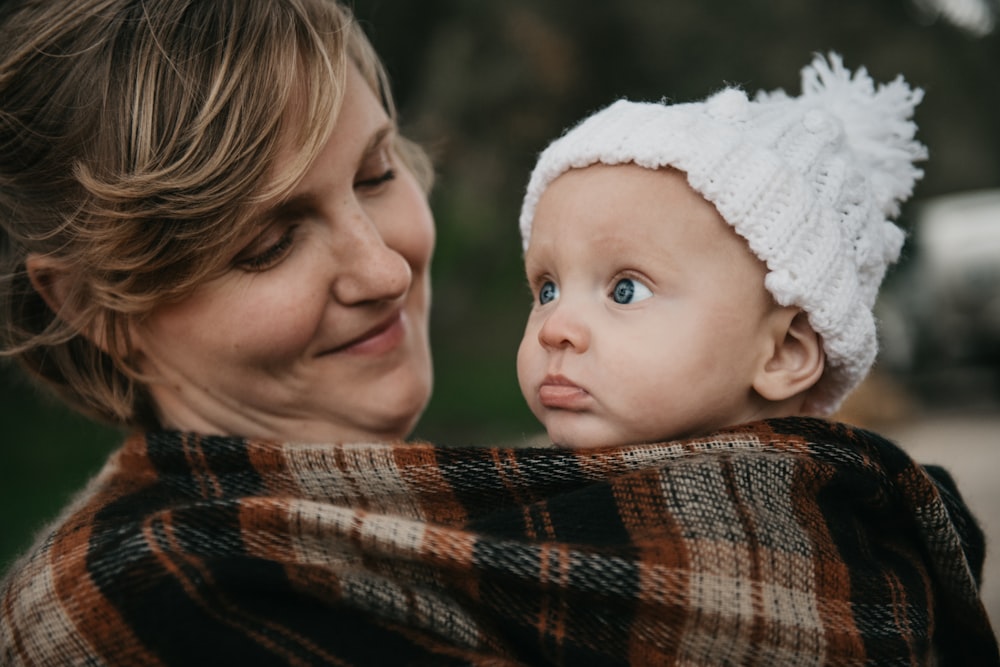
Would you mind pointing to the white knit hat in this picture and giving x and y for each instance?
(808, 181)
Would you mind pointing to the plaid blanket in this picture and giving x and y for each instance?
(793, 541)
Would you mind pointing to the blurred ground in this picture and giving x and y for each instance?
(967, 444)
(963, 437)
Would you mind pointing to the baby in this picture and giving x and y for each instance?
(696, 266)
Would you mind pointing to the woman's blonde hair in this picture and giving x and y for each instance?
(136, 136)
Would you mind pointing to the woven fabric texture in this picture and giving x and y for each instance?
(795, 541)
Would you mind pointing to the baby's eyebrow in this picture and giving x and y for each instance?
(532, 267)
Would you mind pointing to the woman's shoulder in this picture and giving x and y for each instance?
(192, 549)
(127, 560)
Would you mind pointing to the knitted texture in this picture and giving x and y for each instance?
(789, 542)
(810, 182)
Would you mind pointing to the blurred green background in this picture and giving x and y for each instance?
(485, 85)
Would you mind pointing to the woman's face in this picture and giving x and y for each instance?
(319, 331)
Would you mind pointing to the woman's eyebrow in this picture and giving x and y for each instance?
(281, 210)
(299, 200)
(378, 139)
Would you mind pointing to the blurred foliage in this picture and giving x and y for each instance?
(47, 454)
(486, 85)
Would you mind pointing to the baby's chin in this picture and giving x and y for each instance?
(580, 442)
(591, 430)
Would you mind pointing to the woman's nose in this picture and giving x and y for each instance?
(564, 328)
(369, 269)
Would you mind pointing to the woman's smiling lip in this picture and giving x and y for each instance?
(561, 393)
(382, 338)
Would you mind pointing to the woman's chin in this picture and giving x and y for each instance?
(401, 424)
(395, 417)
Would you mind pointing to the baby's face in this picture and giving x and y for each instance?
(650, 316)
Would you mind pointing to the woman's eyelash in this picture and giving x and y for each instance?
(385, 177)
(270, 255)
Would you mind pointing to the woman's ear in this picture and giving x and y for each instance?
(51, 279)
(796, 360)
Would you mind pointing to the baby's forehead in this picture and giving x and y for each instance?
(623, 179)
(599, 211)
(625, 198)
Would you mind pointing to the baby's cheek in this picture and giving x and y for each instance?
(528, 364)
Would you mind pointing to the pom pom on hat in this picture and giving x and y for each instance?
(877, 125)
(810, 182)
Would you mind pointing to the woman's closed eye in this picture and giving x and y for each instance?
(376, 170)
(267, 250)
(630, 290)
(375, 182)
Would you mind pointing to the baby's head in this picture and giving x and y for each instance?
(698, 265)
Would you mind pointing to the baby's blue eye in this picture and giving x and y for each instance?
(548, 292)
(630, 291)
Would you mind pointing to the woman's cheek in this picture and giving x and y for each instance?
(410, 229)
(276, 316)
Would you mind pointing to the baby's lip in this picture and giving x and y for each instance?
(560, 393)
(555, 379)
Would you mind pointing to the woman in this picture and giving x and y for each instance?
(215, 237)
(307, 239)
(211, 225)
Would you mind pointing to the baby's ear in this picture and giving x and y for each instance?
(796, 360)
(52, 279)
